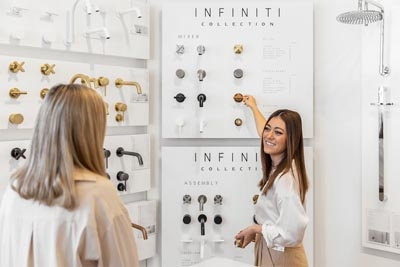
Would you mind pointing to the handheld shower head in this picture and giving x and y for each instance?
(360, 17)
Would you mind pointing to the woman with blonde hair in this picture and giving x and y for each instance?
(60, 209)
(280, 219)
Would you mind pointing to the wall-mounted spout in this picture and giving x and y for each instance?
(120, 152)
(202, 199)
(84, 79)
(120, 82)
(140, 228)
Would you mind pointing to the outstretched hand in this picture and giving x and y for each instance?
(247, 235)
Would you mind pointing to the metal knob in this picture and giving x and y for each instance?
(238, 97)
(120, 107)
(16, 118)
(217, 219)
(238, 122)
(119, 117)
(107, 154)
(47, 69)
(238, 48)
(15, 93)
(14, 67)
(238, 73)
(201, 49)
(187, 219)
(218, 199)
(180, 73)
(202, 220)
(180, 97)
(201, 98)
(202, 199)
(180, 49)
(122, 176)
(255, 198)
(121, 187)
(187, 199)
(18, 153)
(43, 92)
(201, 74)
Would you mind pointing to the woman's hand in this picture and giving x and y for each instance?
(247, 235)
(249, 101)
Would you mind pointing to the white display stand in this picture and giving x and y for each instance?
(381, 218)
(275, 65)
(229, 172)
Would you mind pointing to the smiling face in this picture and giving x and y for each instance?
(274, 138)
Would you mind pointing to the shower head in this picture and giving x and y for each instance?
(360, 17)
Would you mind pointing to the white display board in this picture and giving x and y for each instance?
(199, 58)
(381, 218)
(90, 26)
(197, 172)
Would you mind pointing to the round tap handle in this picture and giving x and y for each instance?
(238, 73)
(238, 97)
(180, 73)
(16, 118)
(44, 92)
(187, 219)
(217, 219)
(121, 187)
(201, 49)
(180, 97)
(122, 176)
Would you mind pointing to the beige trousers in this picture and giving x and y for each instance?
(291, 257)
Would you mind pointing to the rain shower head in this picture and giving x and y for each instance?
(360, 17)
(365, 16)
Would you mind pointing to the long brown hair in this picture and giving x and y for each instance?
(69, 133)
(294, 152)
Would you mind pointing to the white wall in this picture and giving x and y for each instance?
(337, 145)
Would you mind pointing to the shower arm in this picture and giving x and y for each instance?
(383, 70)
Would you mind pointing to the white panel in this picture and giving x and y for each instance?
(233, 173)
(63, 25)
(8, 164)
(277, 65)
(144, 213)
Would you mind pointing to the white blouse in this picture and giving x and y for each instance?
(96, 233)
(281, 213)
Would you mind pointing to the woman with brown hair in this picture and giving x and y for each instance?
(280, 217)
(60, 209)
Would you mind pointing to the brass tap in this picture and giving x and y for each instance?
(120, 107)
(15, 93)
(238, 48)
(140, 228)
(120, 82)
(84, 79)
(101, 81)
(43, 92)
(16, 118)
(47, 69)
(14, 67)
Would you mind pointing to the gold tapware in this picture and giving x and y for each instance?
(100, 82)
(140, 228)
(15, 67)
(238, 97)
(15, 93)
(238, 243)
(120, 82)
(238, 48)
(84, 79)
(238, 122)
(43, 92)
(16, 118)
(47, 69)
(120, 108)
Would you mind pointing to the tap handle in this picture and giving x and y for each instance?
(122, 176)
(202, 220)
(18, 153)
(187, 199)
(218, 199)
(187, 219)
(217, 219)
(201, 98)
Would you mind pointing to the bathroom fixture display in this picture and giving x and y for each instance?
(201, 98)
(187, 199)
(238, 73)
(180, 97)
(366, 16)
(102, 33)
(16, 118)
(201, 74)
(130, 10)
(238, 48)
(120, 82)
(180, 49)
(381, 151)
(84, 79)
(180, 73)
(202, 199)
(120, 108)
(15, 93)
(47, 69)
(15, 67)
(18, 153)
(43, 92)
(201, 50)
(120, 152)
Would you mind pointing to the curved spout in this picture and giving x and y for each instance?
(84, 79)
(120, 82)
(120, 152)
(140, 228)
